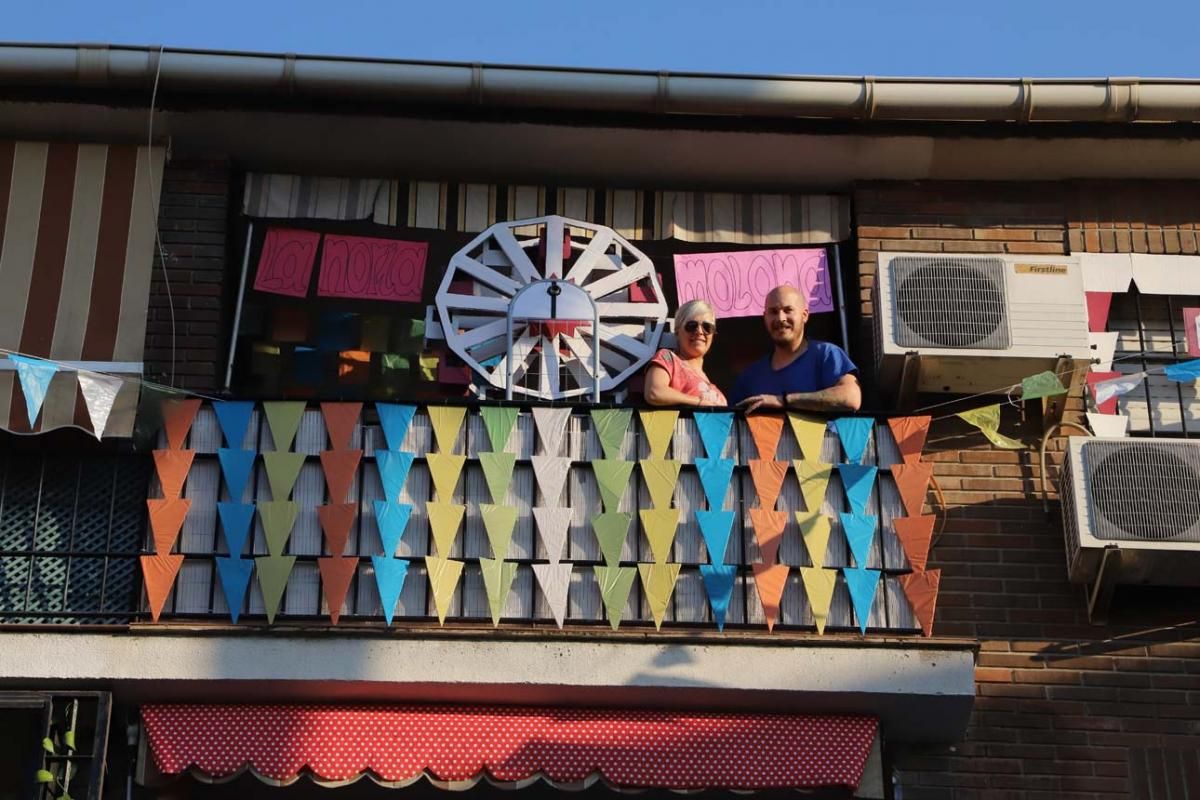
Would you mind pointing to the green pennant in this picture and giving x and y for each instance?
(282, 470)
(611, 530)
(610, 425)
(612, 477)
(1044, 384)
(497, 471)
(283, 418)
(498, 578)
(278, 517)
(273, 572)
(499, 522)
(499, 423)
(615, 583)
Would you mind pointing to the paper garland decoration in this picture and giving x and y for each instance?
(391, 519)
(818, 585)
(1043, 384)
(498, 578)
(659, 526)
(499, 422)
(857, 480)
(499, 521)
(660, 476)
(166, 520)
(1184, 372)
(921, 589)
(444, 522)
(718, 585)
(912, 482)
(444, 469)
(99, 393)
(551, 424)
(395, 419)
(336, 574)
(236, 467)
(910, 433)
(443, 580)
(340, 419)
(555, 582)
(610, 425)
(340, 467)
(389, 580)
(769, 581)
(659, 427)
(273, 572)
(611, 530)
(551, 472)
(233, 416)
(158, 573)
(768, 480)
(446, 422)
(336, 521)
(611, 478)
(394, 467)
(863, 585)
(552, 525)
(714, 431)
(35, 376)
(615, 584)
(236, 519)
(497, 473)
(716, 475)
(277, 517)
(283, 420)
(715, 527)
(234, 576)
(765, 430)
(987, 420)
(859, 530)
(810, 434)
(168, 513)
(658, 581)
(814, 481)
(915, 535)
(855, 435)
(1115, 425)
(282, 470)
(1098, 304)
(1108, 386)
(815, 529)
(172, 467)
(768, 532)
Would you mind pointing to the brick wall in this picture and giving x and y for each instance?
(1064, 709)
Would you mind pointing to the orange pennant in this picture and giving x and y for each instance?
(915, 535)
(336, 574)
(178, 416)
(340, 419)
(770, 580)
(336, 520)
(765, 429)
(340, 467)
(166, 518)
(768, 480)
(768, 532)
(909, 433)
(158, 573)
(172, 467)
(921, 589)
(911, 481)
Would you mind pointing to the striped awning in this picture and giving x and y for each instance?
(77, 226)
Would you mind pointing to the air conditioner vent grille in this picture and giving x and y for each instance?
(1144, 491)
(950, 302)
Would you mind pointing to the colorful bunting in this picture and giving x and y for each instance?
(551, 424)
(391, 519)
(810, 434)
(172, 467)
(768, 532)
(35, 376)
(395, 419)
(611, 530)
(718, 585)
(499, 422)
(716, 476)
(445, 468)
(236, 467)
(283, 420)
(921, 589)
(814, 481)
(282, 470)
(178, 415)
(765, 430)
(915, 535)
(659, 427)
(615, 584)
(714, 431)
(555, 582)
(659, 526)
(769, 581)
(497, 473)
(715, 527)
(768, 480)
(857, 480)
(987, 420)
(1184, 372)
(236, 519)
(336, 574)
(855, 435)
(660, 476)
(340, 468)
(158, 574)
(443, 580)
(340, 419)
(1108, 386)
(277, 517)
(394, 467)
(658, 581)
(99, 393)
(863, 584)
(1114, 425)
(234, 418)
(444, 521)
(912, 481)
(818, 585)
(273, 573)
(148, 420)
(336, 521)
(860, 535)
(1043, 384)
(552, 525)
(551, 472)
(389, 580)
(815, 528)
(610, 425)
(166, 520)
(499, 521)
(446, 422)
(612, 477)
(910, 433)
(498, 578)
(234, 577)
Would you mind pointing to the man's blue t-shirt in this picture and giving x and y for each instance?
(818, 367)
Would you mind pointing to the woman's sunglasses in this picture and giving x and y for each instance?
(693, 325)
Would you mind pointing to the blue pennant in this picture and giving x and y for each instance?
(235, 520)
(860, 532)
(389, 578)
(715, 527)
(718, 583)
(715, 476)
(393, 471)
(235, 577)
(236, 466)
(714, 431)
(395, 419)
(858, 481)
(854, 432)
(234, 418)
(1185, 372)
(35, 375)
(862, 584)
(391, 519)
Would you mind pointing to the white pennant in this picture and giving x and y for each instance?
(1114, 425)
(551, 474)
(552, 525)
(555, 580)
(1107, 390)
(99, 394)
(551, 424)
(1104, 345)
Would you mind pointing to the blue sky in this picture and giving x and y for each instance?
(1016, 38)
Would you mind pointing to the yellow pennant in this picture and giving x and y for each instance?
(818, 585)
(659, 525)
(987, 419)
(810, 433)
(444, 522)
(814, 480)
(446, 422)
(445, 468)
(659, 582)
(660, 477)
(659, 427)
(815, 528)
(443, 580)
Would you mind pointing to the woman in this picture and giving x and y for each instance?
(677, 378)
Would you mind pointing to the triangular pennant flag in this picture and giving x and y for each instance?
(499, 423)
(810, 434)
(912, 480)
(336, 521)
(148, 421)
(615, 583)
(283, 420)
(158, 574)
(855, 434)
(552, 525)
(445, 468)
(234, 418)
(444, 521)
(987, 420)
(1113, 425)
(336, 574)
(857, 480)
(862, 583)
(551, 424)
(765, 430)
(659, 526)
(178, 415)
(660, 477)
(715, 527)
(1183, 372)
(659, 427)
(768, 532)
(612, 477)
(714, 431)
(443, 580)
(555, 582)
(815, 528)
(446, 422)
(1108, 386)
(498, 578)
(550, 472)
(236, 467)
(99, 393)
(340, 467)
(273, 573)
(611, 530)
(716, 476)
(769, 581)
(236, 519)
(35, 376)
(814, 481)
(1043, 384)
(610, 425)
(860, 534)
(497, 473)
(1098, 304)
(499, 521)
(818, 585)
(395, 419)
(768, 480)
(910, 433)
(166, 519)
(1104, 345)
(391, 519)
(282, 470)
(172, 467)
(921, 589)
(658, 581)
(340, 419)
(915, 535)
(389, 580)
(234, 575)
(394, 467)
(718, 585)
(278, 517)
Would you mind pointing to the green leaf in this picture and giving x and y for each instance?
(48, 746)
(45, 776)
(69, 738)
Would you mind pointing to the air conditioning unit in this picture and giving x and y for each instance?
(973, 323)
(1139, 501)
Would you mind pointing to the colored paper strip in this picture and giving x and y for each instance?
(444, 522)
(611, 529)
(862, 584)
(912, 481)
(236, 467)
(499, 422)
(336, 521)
(814, 482)
(660, 477)
(172, 467)
(166, 519)
(714, 431)
(916, 536)
(395, 419)
(282, 468)
(273, 573)
(921, 589)
(497, 473)
(659, 427)
(768, 532)
(815, 528)
(910, 433)
(389, 580)
(818, 585)
(443, 580)
(234, 577)
(612, 478)
(810, 434)
(768, 480)
(769, 582)
(236, 519)
(445, 468)
(860, 535)
(658, 582)
(857, 480)
(234, 418)
(446, 422)
(716, 476)
(394, 467)
(35, 375)
(715, 527)
(552, 525)
(555, 583)
(498, 578)
(610, 426)
(615, 584)
(277, 517)
(178, 415)
(283, 420)
(158, 575)
(99, 394)
(765, 430)
(1183, 372)
(718, 585)
(336, 574)
(659, 526)
(551, 424)
(551, 472)
(1098, 304)
(340, 419)
(391, 520)
(855, 434)
(499, 521)
(340, 468)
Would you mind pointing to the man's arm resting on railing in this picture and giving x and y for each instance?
(845, 395)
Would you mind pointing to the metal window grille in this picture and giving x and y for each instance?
(950, 302)
(1142, 491)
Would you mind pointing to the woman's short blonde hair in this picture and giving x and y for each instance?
(691, 309)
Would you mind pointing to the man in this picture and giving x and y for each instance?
(799, 373)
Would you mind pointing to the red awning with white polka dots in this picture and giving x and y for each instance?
(457, 744)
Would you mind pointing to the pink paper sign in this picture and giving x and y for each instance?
(365, 268)
(286, 263)
(1191, 327)
(737, 284)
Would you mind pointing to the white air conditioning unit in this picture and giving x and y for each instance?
(973, 323)
(1137, 499)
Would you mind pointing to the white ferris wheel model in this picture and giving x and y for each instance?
(552, 356)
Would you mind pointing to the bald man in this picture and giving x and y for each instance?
(799, 373)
